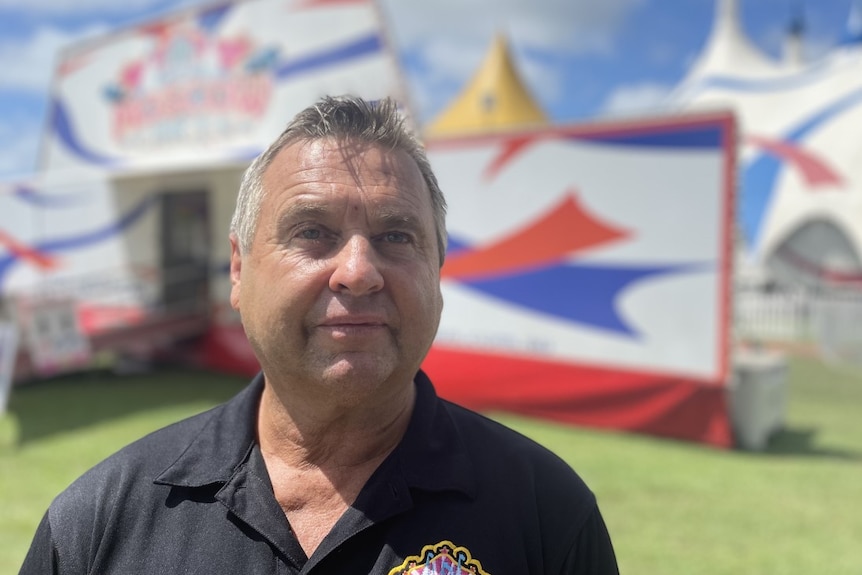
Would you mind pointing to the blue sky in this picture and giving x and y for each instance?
(581, 58)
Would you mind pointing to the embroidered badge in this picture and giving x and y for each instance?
(444, 558)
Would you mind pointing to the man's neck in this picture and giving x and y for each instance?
(319, 460)
(301, 433)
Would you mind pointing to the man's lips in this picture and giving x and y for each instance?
(354, 321)
(353, 333)
(354, 326)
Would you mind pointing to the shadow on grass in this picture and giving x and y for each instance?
(46, 408)
(802, 442)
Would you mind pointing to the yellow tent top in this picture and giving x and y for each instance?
(494, 99)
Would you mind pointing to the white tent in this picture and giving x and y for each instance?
(800, 204)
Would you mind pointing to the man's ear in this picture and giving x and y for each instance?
(235, 271)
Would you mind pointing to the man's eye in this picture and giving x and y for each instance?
(396, 237)
(310, 234)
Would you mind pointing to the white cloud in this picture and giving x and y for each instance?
(450, 38)
(637, 98)
(61, 8)
(575, 26)
(462, 58)
(543, 79)
(29, 65)
(436, 84)
(27, 71)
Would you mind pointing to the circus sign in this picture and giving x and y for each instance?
(210, 85)
(192, 88)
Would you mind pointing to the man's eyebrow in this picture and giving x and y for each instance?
(297, 213)
(396, 218)
(301, 211)
(390, 217)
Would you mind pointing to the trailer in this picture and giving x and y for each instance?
(119, 242)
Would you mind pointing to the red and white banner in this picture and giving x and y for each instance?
(211, 85)
(587, 276)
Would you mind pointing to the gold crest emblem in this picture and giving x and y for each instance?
(439, 559)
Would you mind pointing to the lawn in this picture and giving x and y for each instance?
(672, 507)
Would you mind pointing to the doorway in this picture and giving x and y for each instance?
(185, 251)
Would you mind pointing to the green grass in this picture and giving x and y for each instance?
(672, 507)
(676, 508)
(56, 430)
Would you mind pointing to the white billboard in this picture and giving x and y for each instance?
(590, 264)
(211, 85)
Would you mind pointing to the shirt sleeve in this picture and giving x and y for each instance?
(592, 552)
(42, 557)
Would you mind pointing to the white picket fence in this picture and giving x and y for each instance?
(830, 322)
(764, 316)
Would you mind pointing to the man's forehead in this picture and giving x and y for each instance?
(398, 210)
(349, 153)
(326, 161)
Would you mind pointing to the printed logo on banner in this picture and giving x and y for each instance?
(194, 87)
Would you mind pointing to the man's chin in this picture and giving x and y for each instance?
(358, 369)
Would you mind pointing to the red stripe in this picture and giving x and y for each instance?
(655, 404)
(25, 253)
(814, 169)
(511, 148)
(566, 229)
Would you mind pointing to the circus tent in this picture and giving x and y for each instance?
(800, 203)
(494, 99)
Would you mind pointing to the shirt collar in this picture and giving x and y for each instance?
(222, 444)
(432, 454)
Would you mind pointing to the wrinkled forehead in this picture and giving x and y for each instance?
(323, 174)
(330, 161)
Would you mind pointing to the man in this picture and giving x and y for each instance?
(338, 458)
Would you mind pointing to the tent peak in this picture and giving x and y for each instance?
(494, 98)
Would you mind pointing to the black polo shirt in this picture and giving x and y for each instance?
(460, 494)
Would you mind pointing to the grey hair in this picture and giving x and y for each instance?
(346, 118)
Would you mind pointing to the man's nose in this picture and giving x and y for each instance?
(356, 268)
